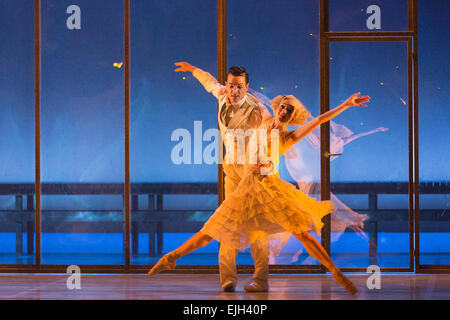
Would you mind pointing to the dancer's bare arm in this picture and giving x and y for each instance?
(354, 100)
(206, 79)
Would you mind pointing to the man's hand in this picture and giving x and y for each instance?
(184, 67)
(275, 124)
(261, 170)
(256, 170)
(356, 101)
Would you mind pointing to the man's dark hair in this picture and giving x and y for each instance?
(238, 71)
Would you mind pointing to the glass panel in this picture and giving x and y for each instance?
(368, 15)
(171, 201)
(434, 154)
(374, 147)
(82, 132)
(17, 132)
(278, 43)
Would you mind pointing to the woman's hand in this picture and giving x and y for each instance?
(184, 67)
(355, 100)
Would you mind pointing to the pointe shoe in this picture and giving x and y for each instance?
(257, 286)
(348, 285)
(167, 262)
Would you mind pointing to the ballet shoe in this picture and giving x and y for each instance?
(167, 262)
(229, 286)
(345, 282)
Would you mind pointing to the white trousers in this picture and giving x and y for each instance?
(227, 255)
(227, 263)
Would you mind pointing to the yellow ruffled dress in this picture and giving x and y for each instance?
(257, 209)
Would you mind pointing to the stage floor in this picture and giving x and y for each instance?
(206, 287)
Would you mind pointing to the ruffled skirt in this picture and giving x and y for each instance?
(256, 210)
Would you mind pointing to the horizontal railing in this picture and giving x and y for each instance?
(155, 220)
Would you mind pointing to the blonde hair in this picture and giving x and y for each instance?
(300, 112)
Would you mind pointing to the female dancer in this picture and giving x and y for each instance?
(265, 205)
(299, 156)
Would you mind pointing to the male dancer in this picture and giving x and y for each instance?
(236, 111)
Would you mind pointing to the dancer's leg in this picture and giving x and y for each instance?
(316, 250)
(227, 267)
(168, 261)
(260, 254)
(197, 241)
(227, 255)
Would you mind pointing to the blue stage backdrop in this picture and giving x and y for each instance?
(278, 42)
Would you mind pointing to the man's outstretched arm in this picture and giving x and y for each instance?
(205, 78)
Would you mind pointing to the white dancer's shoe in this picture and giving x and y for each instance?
(257, 286)
(229, 286)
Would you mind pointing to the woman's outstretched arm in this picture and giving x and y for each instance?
(353, 100)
